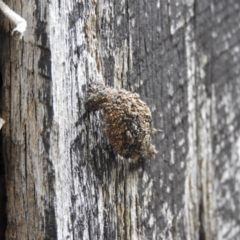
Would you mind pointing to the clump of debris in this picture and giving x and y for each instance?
(128, 120)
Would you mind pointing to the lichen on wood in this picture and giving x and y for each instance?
(128, 120)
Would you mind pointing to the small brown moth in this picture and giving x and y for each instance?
(128, 120)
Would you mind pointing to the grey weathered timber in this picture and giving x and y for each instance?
(63, 179)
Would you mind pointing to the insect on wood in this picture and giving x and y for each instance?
(128, 120)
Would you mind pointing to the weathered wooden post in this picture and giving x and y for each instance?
(63, 178)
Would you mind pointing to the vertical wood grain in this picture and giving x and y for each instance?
(63, 179)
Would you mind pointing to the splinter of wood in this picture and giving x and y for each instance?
(19, 22)
(128, 120)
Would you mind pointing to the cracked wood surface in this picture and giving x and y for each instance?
(63, 179)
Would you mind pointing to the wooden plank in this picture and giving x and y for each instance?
(63, 178)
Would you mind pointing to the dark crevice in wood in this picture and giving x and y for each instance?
(201, 227)
(3, 197)
(125, 213)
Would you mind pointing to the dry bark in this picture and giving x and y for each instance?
(63, 178)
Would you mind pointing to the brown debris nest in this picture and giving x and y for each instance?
(128, 120)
